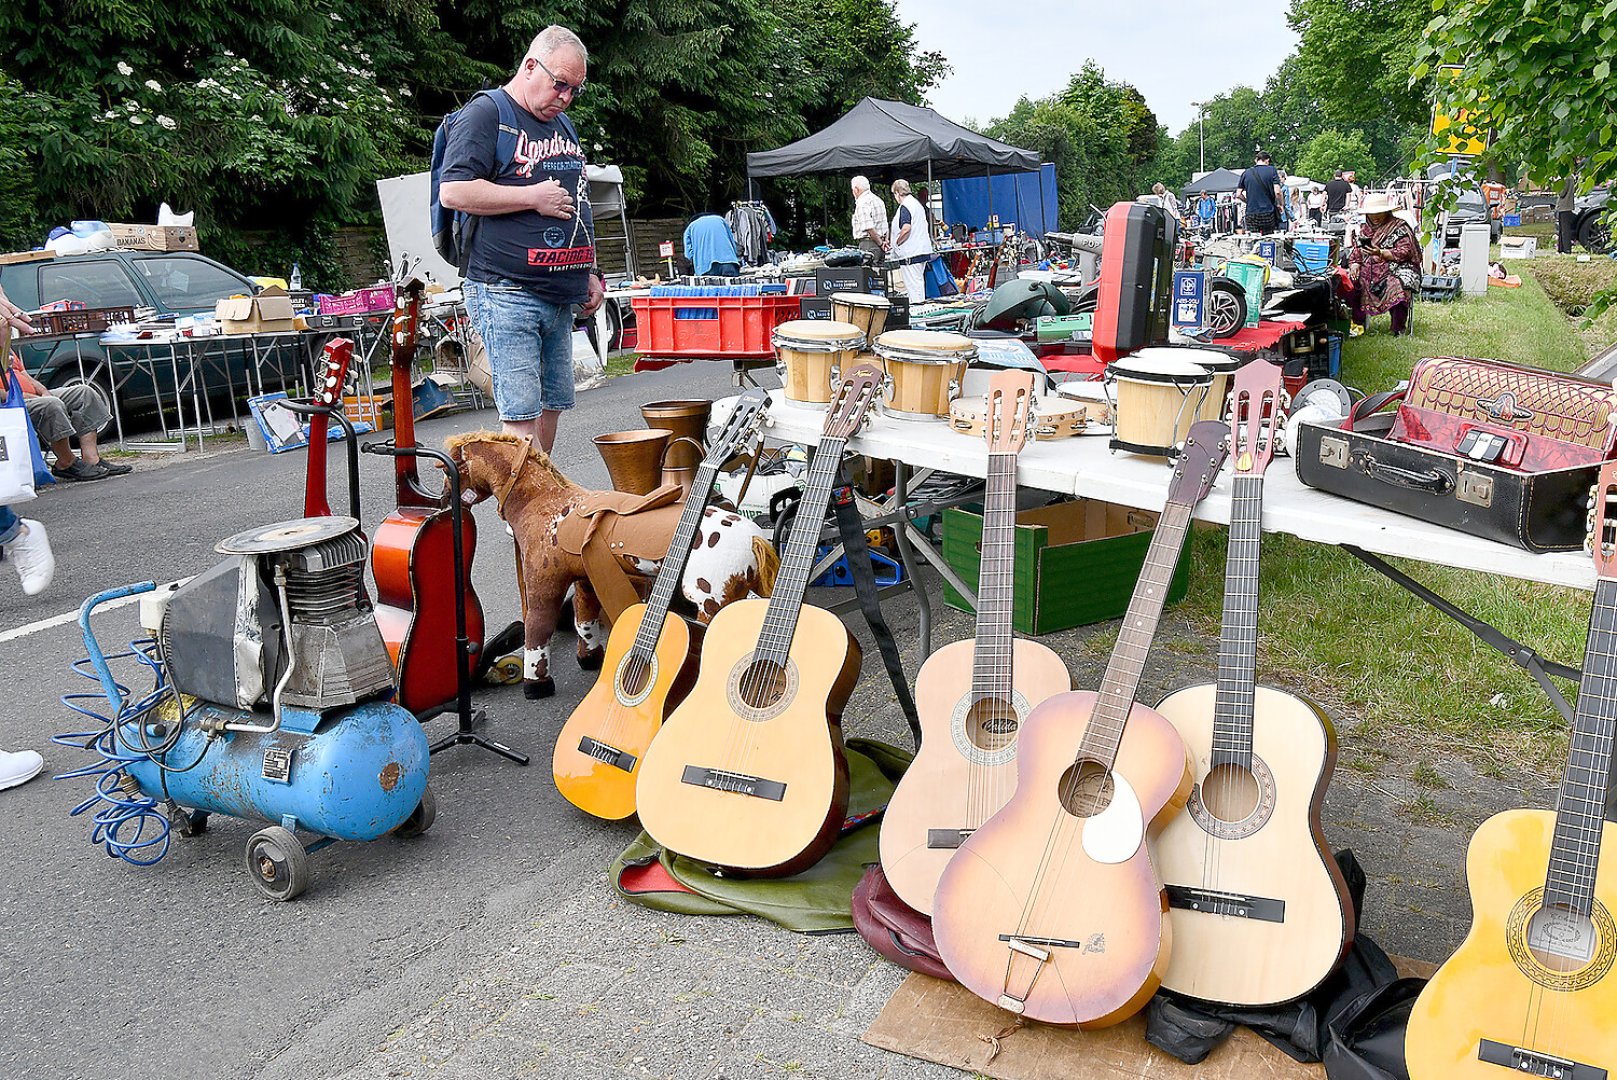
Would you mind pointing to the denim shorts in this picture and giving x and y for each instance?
(530, 347)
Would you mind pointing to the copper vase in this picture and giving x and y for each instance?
(687, 420)
(634, 459)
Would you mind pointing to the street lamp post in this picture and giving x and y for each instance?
(1201, 132)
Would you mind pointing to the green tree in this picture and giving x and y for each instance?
(1355, 55)
(1331, 150)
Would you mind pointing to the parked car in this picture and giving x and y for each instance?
(1590, 227)
(1472, 209)
(172, 283)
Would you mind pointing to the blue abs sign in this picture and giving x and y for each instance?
(1189, 299)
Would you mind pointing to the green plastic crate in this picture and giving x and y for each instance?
(1076, 562)
(1062, 327)
(1249, 275)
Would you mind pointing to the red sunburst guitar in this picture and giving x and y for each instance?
(748, 773)
(972, 696)
(413, 557)
(598, 754)
(1531, 991)
(1259, 909)
(338, 353)
(1052, 910)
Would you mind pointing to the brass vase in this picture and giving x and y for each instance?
(686, 420)
(634, 459)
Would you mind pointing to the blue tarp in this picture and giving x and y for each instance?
(1017, 200)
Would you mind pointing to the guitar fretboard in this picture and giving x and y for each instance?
(1238, 643)
(673, 565)
(996, 580)
(1121, 682)
(1580, 816)
(780, 622)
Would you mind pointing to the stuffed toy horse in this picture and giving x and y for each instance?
(729, 559)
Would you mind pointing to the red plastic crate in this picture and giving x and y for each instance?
(722, 326)
(358, 302)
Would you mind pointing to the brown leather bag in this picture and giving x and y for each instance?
(893, 928)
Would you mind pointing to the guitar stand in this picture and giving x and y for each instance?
(465, 732)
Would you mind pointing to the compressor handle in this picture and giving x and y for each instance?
(98, 659)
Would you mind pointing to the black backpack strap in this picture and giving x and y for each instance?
(857, 552)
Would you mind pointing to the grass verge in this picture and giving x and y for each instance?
(1381, 661)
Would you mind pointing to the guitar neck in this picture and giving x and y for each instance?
(673, 565)
(1238, 643)
(780, 623)
(1580, 817)
(315, 503)
(1121, 683)
(991, 676)
(406, 480)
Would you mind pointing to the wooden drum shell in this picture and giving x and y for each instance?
(1154, 411)
(867, 312)
(808, 358)
(924, 371)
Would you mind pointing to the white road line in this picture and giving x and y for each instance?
(63, 619)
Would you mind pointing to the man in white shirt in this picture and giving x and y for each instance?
(912, 241)
(869, 218)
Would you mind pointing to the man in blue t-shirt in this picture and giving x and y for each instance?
(1260, 190)
(711, 247)
(532, 255)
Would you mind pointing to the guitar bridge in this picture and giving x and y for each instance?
(734, 782)
(1536, 1063)
(1236, 905)
(601, 751)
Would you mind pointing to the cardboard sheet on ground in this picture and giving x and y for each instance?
(944, 1022)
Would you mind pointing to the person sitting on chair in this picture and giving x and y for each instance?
(59, 415)
(1384, 263)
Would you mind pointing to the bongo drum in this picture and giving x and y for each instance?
(1221, 365)
(808, 355)
(868, 313)
(1158, 397)
(924, 369)
(1053, 417)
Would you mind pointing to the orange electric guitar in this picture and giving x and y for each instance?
(413, 556)
(1052, 910)
(1260, 911)
(598, 754)
(972, 696)
(1531, 991)
(748, 773)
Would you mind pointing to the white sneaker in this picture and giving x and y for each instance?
(19, 768)
(31, 551)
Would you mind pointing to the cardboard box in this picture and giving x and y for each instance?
(1518, 247)
(270, 312)
(835, 279)
(1076, 562)
(155, 237)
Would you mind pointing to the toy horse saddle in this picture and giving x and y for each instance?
(606, 527)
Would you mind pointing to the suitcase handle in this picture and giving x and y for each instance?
(1436, 482)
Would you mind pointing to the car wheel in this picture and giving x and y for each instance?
(1593, 232)
(1226, 307)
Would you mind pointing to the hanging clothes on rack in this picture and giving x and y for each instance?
(753, 227)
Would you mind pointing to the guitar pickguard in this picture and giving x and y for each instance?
(1114, 834)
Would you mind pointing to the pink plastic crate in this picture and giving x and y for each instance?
(358, 302)
(713, 326)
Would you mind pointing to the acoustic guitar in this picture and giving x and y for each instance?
(748, 772)
(1259, 908)
(1052, 909)
(413, 555)
(598, 754)
(338, 353)
(972, 696)
(1531, 990)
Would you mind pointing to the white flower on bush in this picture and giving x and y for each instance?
(108, 115)
(124, 69)
(168, 123)
(154, 86)
(336, 17)
(404, 91)
(131, 106)
(137, 119)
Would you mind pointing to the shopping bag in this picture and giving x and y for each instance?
(16, 448)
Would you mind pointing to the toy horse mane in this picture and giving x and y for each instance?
(537, 457)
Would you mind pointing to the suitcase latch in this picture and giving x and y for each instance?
(1333, 452)
(1475, 488)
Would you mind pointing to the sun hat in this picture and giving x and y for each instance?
(1378, 203)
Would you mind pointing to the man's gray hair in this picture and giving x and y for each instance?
(900, 188)
(554, 39)
(860, 183)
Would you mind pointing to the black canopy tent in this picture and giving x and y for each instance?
(891, 138)
(1219, 180)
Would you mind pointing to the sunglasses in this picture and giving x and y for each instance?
(562, 86)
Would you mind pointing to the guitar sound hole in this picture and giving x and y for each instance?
(1563, 941)
(1230, 793)
(1086, 789)
(991, 724)
(762, 684)
(636, 674)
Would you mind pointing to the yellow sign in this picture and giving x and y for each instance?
(1461, 137)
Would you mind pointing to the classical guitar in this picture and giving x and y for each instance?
(338, 353)
(1259, 909)
(598, 754)
(972, 696)
(412, 554)
(748, 772)
(1052, 909)
(1531, 990)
